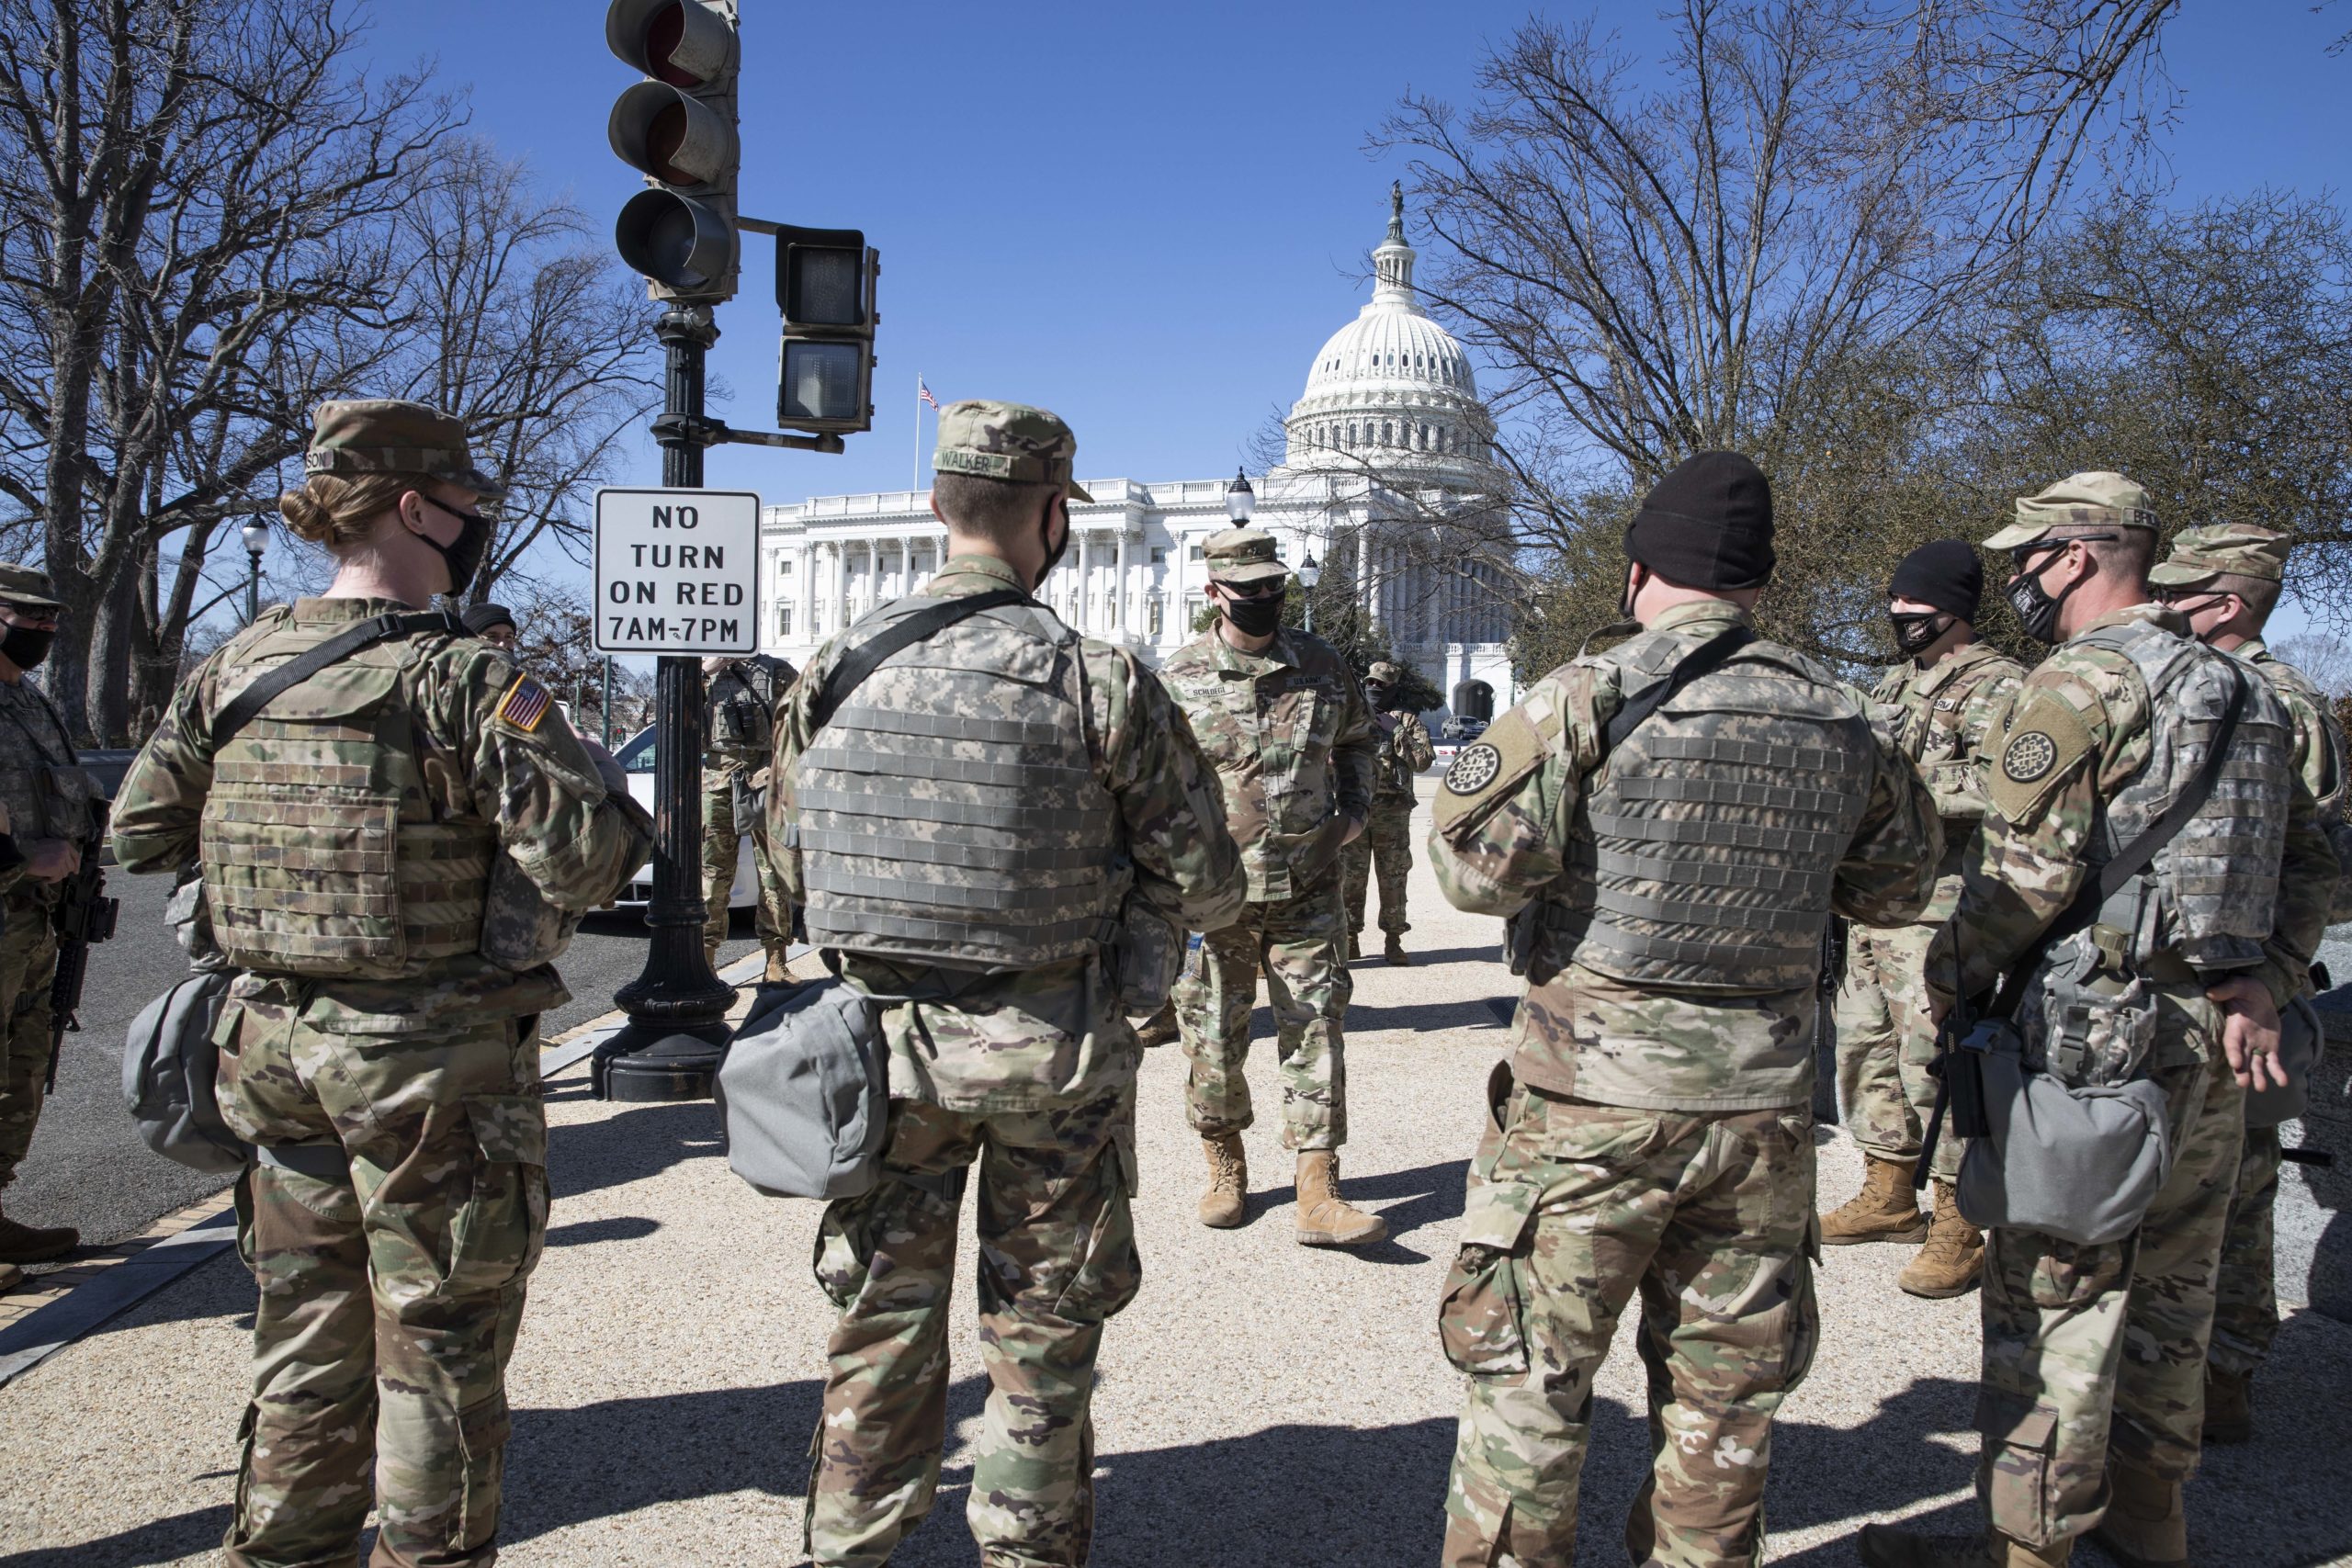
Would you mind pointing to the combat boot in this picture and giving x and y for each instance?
(2144, 1525)
(779, 968)
(1884, 1210)
(1954, 1259)
(1225, 1203)
(1397, 954)
(22, 1243)
(1355, 945)
(1885, 1546)
(1159, 1029)
(1326, 1219)
(2229, 1406)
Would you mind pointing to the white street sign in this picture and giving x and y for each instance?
(677, 572)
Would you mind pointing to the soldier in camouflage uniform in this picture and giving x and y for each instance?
(1946, 690)
(393, 851)
(955, 829)
(1667, 887)
(2094, 1354)
(2225, 579)
(1403, 749)
(1281, 716)
(47, 796)
(743, 694)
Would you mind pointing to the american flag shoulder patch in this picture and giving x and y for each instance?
(525, 704)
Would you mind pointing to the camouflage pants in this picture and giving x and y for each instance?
(1058, 1257)
(1387, 840)
(1573, 1208)
(1301, 944)
(721, 836)
(390, 1293)
(2245, 1297)
(1885, 1041)
(27, 965)
(2093, 1348)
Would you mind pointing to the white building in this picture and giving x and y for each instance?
(1388, 438)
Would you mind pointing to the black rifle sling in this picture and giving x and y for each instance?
(919, 626)
(1708, 655)
(247, 704)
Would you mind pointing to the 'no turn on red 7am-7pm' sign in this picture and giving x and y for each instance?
(677, 572)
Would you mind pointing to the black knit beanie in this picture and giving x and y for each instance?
(1708, 524)
(479, 618)
(1945, 574)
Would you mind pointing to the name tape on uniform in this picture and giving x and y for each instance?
(677, 572)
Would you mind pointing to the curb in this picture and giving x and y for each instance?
(50, 1312)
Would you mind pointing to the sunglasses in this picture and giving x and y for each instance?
(2023, 556)
(1273, 590)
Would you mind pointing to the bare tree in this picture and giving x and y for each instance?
(192, 239)
(1800, 215)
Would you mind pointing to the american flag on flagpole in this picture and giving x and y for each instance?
(923, 391)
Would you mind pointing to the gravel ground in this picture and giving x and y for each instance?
(1261, 1404)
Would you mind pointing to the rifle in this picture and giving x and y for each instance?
(83, 916)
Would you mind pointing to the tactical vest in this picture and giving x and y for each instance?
(1391, 778)
(2211, 891)
(2336, 794)
(758, 680)
(1705, 846)
(320, 854)
(949, 812)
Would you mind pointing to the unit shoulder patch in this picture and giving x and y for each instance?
(1473, 770)
(2039, 746)
(524, 707)
(1488, 769)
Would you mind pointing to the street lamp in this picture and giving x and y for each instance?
(1309, 575)
(1239, 498)
(256, 535)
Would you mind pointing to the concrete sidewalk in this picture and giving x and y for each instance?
(1261, 1404)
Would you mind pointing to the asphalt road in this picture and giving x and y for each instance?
(88, 1168)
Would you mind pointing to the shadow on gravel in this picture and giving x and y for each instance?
(164, 1540)
(638, 1143)
(1422, 1017)
(587, 1233)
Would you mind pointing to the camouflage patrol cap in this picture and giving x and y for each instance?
(2240, 549)
(392, 435)
(2095, 498)
(1384, 673)
(1007, 441)
(23, 585)
(1243, 555)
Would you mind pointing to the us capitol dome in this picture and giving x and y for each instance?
(1388, 438)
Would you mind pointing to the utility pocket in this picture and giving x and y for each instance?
(2095, 1028)
(482, 1431)
(1481, 1320)
(1109, 1269)
(2018, 1494)
(495, 1239)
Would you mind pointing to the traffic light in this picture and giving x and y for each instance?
(824, 287)
(678, 130)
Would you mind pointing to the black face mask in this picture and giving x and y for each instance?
(26, 645)
(463, 558)
(1254, 617)
(1380, 697)
(2036, 606)
(1054, 552)
(1915, 631)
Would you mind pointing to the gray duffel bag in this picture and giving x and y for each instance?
(804, 1091)
(169, 1068)
(2080, 1164)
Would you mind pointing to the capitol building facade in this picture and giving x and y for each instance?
(1388, 443)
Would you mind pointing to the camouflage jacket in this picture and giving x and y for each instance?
(1052, 1036)
(519, 769)
(45, 790)
(1293, 741)
(1947, 710)
(2320, 757)
(1510, 837)
(2032, 853)
(741, 718)
(1402, 750)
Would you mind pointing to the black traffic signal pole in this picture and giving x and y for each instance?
(677, 1009)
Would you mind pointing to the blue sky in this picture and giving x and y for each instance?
(1145, 217)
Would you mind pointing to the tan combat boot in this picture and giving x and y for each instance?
(2229, 1406)
(1326, 1219)
(22, 1243)
(779, 966)
(1226, 1201)
(1159, 1029)
(2145, 1525)
(1886, 1546)
(1954, 1259)
(1884, 1210)
(1397, 954)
